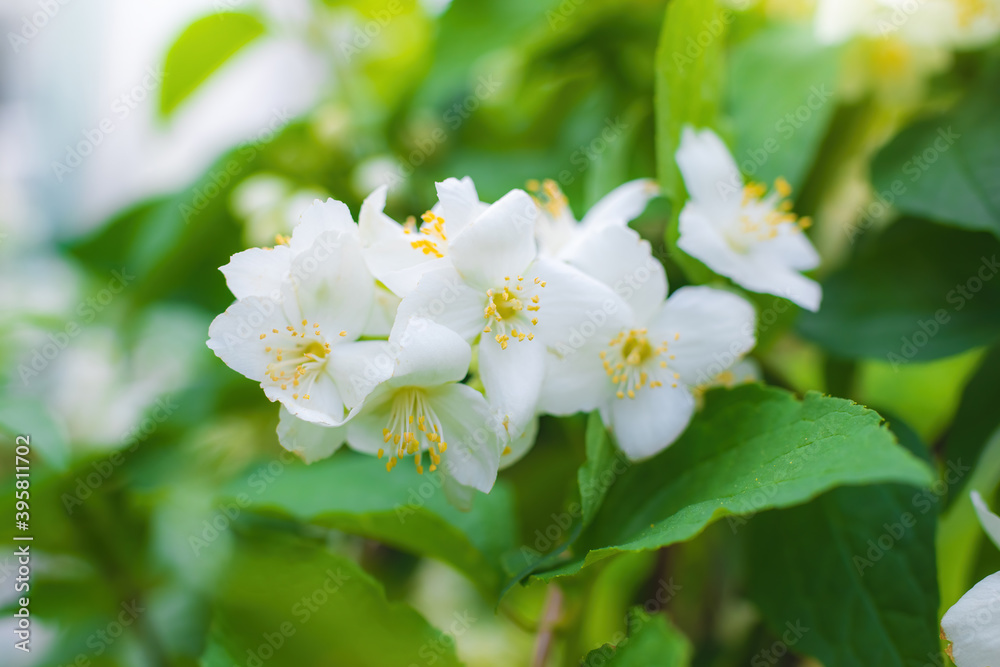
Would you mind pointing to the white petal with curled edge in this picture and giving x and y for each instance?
(703, 239)
(789, 248)
(234, 335)
(428, 354)
(258, 271)
(324, 404)
(618, 257)
(710, 173)
(623, 204)
(652, 421)
(460, 203)
(499, 243)
(990, 521)
(322, 217)
(474, 445)
(973, 625)
(443, 296)
(706, 331)
(358, 368)
(764, 275)
(513, 379)
(310, 442)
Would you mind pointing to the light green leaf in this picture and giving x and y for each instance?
(201, 49)
(946, 168)
(355, 494)
(652, 640)
(751, 449)
(851, 578)
(292, 603)
(598, 473)
(688, 81)
(918, 291)
(780, 89)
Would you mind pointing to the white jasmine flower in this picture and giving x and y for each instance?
(301, 307)
(399, 254)
(557, 230)
(736, 230)
(643, 375)
(309, 441)
(972, 625)
(496, 287)
(420, 409)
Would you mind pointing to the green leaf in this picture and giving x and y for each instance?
(751, 449)
(599, 471)
(355, 494)
(652, 640)
(687, 82)
(201, 49)
(851, 578)
(780, 90)
(292, 603)
(946, 168)
(918, 291)
(975, 421)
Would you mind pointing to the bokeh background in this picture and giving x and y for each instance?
(142, 143)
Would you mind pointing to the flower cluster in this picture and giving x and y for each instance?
(441, 340)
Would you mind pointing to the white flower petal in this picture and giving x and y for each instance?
(518, 447)
(234, 335)
(574, 307)
(322, 217)
(701, 238)
(618, 257)
(706, 331)
(473, 455)
(310, 442)
(388, 250)
(710, 173)
(333, 286)
(364, 431)
(789, 248)
(973, 625)
(990, 521)
(513, 379)
(324, 404)
(576, 380)
(358, 367)
(762, 275)
(623, 204)
(647, 424)
(428, 354)
(258, 271)
(499, 243)
(460, 203)
(443, 296)
(383, 313)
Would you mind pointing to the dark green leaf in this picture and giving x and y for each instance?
(751, 449)
(976, 420)
(919, 291)
(851, 578)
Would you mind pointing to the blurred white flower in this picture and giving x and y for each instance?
(738, 231)
(972, 625)
(270, 205)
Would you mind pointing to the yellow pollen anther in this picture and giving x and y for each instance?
(343, 333)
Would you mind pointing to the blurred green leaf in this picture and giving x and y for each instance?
(688, 81)
(21, 415)
(780, 90)
(597, 474)
(851, 578)
(946, 168)
(201, 49)
(918, 291)
(976, 420)
(355, 494)
(292, 603)
(652, 640)
(751, 449)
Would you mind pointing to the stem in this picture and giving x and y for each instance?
(546, 632)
